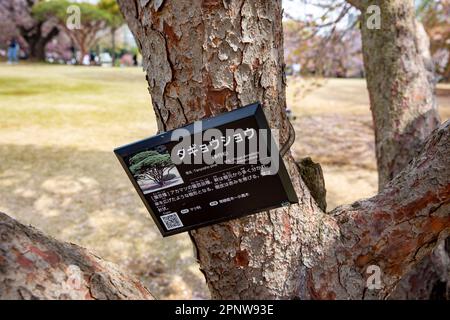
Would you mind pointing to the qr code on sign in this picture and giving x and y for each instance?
(171, 221)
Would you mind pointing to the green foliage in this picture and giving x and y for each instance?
(149, 160)
(141, 156)
(112, 8)
(89, 13)
(134, 50)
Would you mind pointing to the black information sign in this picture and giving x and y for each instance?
(209, 171)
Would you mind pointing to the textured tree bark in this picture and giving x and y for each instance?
(312, 175)
(416, 200)
(37, 41)
(206, 57)
(34, 266)
(429, 279)
(401, 83)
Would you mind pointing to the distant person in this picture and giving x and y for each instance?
(92, 58)
(73, 53)
(13, 51)
(135, 62)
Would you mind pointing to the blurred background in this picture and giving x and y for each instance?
(69, 96)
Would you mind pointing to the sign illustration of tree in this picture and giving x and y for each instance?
(151, 165)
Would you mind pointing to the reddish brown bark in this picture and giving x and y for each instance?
(35, 266)
(400, 80)
(401, 88)
(206, 57)
(84, 38)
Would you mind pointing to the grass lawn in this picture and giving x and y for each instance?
(59, 125)
(334, 127)
(86, 107)
(344, 97)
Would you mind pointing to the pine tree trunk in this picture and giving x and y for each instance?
(203, 58)
(401, 89)
(213, 57)
(83, 53)
(401, 84)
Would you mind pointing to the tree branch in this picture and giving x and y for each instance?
(394, 229)
(356, 3)
(35, 266)
(54, 31)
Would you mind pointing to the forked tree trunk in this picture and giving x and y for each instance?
(299, 252)
(401, 89)
(206, 57)
(401, 84)
(288, 253)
